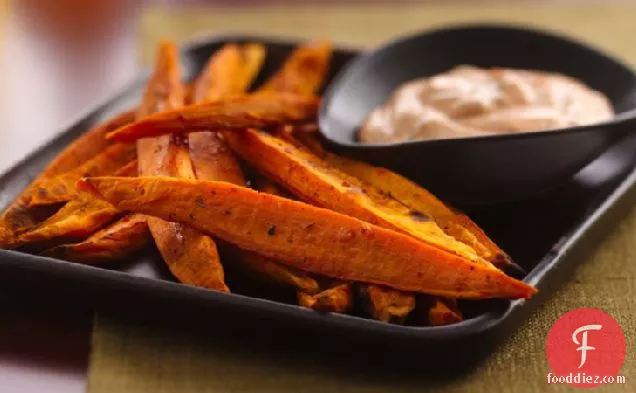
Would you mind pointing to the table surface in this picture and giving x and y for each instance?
(49, 74)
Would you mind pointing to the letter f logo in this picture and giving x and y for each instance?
(584, 347)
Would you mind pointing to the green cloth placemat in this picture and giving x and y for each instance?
(131, 356)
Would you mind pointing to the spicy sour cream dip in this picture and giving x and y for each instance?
(468, 101)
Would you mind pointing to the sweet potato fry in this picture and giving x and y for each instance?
(79, 218)
(304, 71)
(387, 305)
(229, 72)
(188, 93)
(267, 270)
(336, 298)
(441, 311)
(128, 170)
(86, 146)
(310, 293)
(444, 311)
(315, 181)
(61, 188)
(328, 297)
(410, 194)
(257, 110)
(18, 217)
(212, 159)
(263, 184)
(286, 275)
(306, 140)
(130, 233)
(190, 255)
(115, 242)
(303, 236)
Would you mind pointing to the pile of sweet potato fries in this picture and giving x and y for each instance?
(333, 229)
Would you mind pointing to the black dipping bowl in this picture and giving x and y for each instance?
(485, 169)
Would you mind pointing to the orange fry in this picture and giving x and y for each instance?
(329, 297)
(188, 93)
(212, 159)
(270, 271)
(316, 181)
(257, 110)
(387, 305)
(131, 233)
(444, 312)
(86, 146)
(306, 140)
(190, 255)
(18, 217)
(78, 218)
(304, 71)
(128, 170)
(456, 224)
(61, 188)
(229, 72)
(303, 236)
(336, 298)
(264, 184)
(115, 242)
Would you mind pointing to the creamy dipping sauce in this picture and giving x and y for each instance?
(469, 101)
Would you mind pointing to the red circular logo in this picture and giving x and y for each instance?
(584, 347)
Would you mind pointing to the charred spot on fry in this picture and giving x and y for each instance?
(200, 202)
(419, 216)
(513, 269)
(272, 230)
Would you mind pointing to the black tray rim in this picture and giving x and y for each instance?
(110, 279)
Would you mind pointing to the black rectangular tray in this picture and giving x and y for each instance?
(548, 236)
